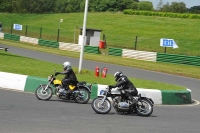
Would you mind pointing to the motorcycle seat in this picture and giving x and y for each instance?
(81, 83)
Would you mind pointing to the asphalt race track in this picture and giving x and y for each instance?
(22, 113)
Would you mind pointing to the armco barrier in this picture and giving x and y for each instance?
(91, 49)
(1, 35)
(115, 51)
(48, 43)
(69, 47)
(29, 40)
(178, 59)
(30, 83)
(139, 55)
(11, 37)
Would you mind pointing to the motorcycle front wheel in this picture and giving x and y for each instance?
(43, 95)
(144, 108)
(83, 96)
(101, 108)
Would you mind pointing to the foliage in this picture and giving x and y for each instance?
(176, 7)
(72, 6)
(159, 5)
(145, 5)
(195, 9)
(161, 14)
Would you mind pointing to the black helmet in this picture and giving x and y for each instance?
(118, 75)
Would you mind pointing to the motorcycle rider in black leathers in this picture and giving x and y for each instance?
(128, 89)
(70, 77)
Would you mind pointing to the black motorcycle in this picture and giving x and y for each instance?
(80, 92)
(102, 105)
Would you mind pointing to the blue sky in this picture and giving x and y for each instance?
(189, 3)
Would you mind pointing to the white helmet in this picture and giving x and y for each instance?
(66, 65)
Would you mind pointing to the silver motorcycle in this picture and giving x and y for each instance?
(102, 104)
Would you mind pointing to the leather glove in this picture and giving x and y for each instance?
(57, 73)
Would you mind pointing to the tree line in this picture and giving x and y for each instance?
(72, 6)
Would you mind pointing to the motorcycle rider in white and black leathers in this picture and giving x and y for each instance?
(70, 77)
(128, 88)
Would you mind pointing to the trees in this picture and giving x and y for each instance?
(5, 6)
(145, 5)
(194, 9)
(126, 4)
(27, 6)
(160, 5)
(63, 6)
(178, 7)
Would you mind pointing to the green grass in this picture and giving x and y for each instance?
(176, 69)
(28, 66)
(120, 29)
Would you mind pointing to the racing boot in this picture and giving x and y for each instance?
(62, 91)
(132, 101)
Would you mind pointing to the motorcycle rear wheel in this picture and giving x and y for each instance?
(101, 109)
(144, 108)
(43, 95)
(83, 96)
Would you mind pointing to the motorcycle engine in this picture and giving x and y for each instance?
(123, 106)
(120, 106)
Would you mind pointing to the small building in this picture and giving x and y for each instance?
(92, 36)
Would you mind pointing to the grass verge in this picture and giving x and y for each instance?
(120, 29)
(28, 66)
(176, 69)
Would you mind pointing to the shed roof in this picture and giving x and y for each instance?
(90, 29)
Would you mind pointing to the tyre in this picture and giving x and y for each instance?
(101, 109)
(43, 95)
(144, 108)
(83, 96)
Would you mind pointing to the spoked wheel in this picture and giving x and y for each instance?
(144, 108)
(83, 96)
(101, 108)
(43, 95)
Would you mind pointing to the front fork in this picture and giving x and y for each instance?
(103, 100)
(45, 89)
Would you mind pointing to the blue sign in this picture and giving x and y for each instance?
(17, 27)
(102, 92)
(168, 43)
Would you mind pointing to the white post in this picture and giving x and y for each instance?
(61, 20)
(83, 36)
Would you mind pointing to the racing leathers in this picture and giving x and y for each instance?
(69, 78)
(128, 89)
